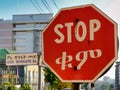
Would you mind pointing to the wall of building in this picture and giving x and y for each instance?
(23, 34)
(117, 76)
(27, 31)
(6, 34)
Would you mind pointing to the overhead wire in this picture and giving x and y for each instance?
(55, 4)
(39, 6)
(46, 5)
(17, 6)
(35, 6)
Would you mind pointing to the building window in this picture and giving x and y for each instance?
(19, 40)
(14, 25)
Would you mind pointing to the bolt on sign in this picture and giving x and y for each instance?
(22, 59)
(80, 43)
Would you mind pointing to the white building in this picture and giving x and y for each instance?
(27, 31)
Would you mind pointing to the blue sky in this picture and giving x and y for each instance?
(12, 7)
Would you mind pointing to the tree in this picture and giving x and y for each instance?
(104, 87)
(111, 87)
(54, 81)
(25, 86)
(62, 85)
(50, 77)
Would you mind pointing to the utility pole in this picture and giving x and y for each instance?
(91, 86)
(75, 86)
(39, 72)
(36, 49)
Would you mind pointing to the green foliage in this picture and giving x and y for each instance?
(54, 81)
(5, 85)
(25, 86)
(11, 88)
(8, 86)
(111, 87)
(104, 87)
(62, 85)
(50, 77)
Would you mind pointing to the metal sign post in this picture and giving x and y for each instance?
(39, 72)
(91, 86)
(75, 86)
(78, 86)
(40, 65)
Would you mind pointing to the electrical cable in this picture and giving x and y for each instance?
(55, 4)
(48, 5)
(35, 6)
(39, 6)
(48, 8)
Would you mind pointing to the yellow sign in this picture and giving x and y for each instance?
(9, 76)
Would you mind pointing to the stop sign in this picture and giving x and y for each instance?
(80, 44)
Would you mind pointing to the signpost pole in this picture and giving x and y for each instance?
(75, 86)
(39, 73)
(91, 86)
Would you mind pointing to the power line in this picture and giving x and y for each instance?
(39, 6)
(35, 6)
(17, 6)
(55, 4)
(46, 5)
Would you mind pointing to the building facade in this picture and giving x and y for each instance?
(23, 34)
(6, 45)
(27, 31)
(117, 76)
(6, 40)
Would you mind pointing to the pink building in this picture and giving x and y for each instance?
(6, 34)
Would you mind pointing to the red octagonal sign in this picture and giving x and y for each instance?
(80, 44)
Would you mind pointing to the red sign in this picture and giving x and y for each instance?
(80, 44)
